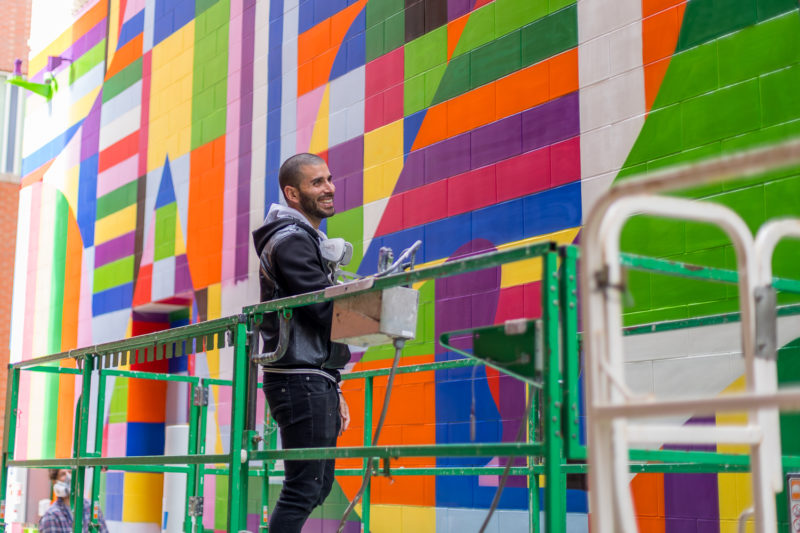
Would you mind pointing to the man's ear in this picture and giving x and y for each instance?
(291, 194)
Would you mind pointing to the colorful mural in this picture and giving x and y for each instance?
(472, 125)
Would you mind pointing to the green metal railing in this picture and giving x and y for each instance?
(555, 418)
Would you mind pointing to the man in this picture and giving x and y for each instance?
(302, 386)
(58, 518)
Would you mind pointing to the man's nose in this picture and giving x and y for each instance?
(330, 186)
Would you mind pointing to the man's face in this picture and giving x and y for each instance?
(63, 475)
(315, 194)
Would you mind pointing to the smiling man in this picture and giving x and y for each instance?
(302, 388)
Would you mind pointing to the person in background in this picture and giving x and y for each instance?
(58, 518)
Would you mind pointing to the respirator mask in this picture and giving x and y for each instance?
(336, 253)
(61, 488)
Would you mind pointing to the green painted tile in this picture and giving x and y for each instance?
(728, 305)
(93, 57)
(374, 41)
(701, 236)
(221, 503)
(705, 20)
(414, 95)
(380, 10)
(550, 35)
(432, 80)
(394, 32)
(671, 291)
(654, 236)
(770, 8)
(211, 62)
(661, 135)
(694, 154)
(201, 6)
(117, 199)
(455, 80)
(658, 315)
(478, 30)
(720, 114)
(782, 197)
(760, 49)
(495, 60)
(118, 406)
(349, 225)
(779, 96)
(511, 15)
(555, 5)
(122, 80)
(697, 70)
(748, 204)
(113, 274)
(638, 285)
(166, 218)
(426, 52)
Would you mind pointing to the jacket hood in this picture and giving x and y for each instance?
(278, 217)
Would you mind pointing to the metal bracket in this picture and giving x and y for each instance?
(195, 506)
(200, 395)
(766, 322)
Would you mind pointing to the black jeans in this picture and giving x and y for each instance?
(306, 408)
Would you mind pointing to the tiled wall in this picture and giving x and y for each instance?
(472, 125)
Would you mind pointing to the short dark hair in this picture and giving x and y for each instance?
(290, 173)
(53, 472)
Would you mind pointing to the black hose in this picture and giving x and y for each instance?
(507, 471)
(398, 347)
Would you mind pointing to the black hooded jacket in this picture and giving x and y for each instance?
(291, 263)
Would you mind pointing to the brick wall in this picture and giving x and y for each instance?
(15, 27)
(9, 199)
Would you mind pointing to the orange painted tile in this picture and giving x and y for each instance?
(36, 175)
(66, 413)
(454, 30)
(434, 126)
(659, 35)
(516, 92)
(146, 400)
(204, 225)
(653, 76)
(471, 110)
(314, 41)
(651, 524)
(321, 44)
(651, 7)
(305, 78)
(72, 285)
(564, 73)
(126, 55)
(648, 494)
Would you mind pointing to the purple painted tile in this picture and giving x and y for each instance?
(339, 197)
(691, 496)
(456, 8)
(413, 173)
(549, 123)
(354, 191)
(90, 131)
(484, 305)
(707, 526)
(77, 49)
(114, 249)
(447, 158)
(496, 141)
(347, 158)
(452, 314)
(465, 284)
(183, 278)
(680, 525)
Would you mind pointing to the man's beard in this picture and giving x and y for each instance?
(312, 208)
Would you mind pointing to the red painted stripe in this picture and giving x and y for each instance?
(145, 116)
(118, 152)
(525, 174)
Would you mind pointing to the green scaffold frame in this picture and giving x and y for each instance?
(554, 418)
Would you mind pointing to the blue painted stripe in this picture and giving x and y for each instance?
(49, 151)
(131, 28)
(87, 199)
(537, 214)
(112, 299)
(274, 99)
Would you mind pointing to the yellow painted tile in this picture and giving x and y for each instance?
(71, 181)
(383, 144)
(113, 30)
(115, 224)
(171, 113)
(180, 245)
(391, 173)
(530, 270)
(419, 519)
(373, 183)
(386, 518)
(142, 497)
(81, 108)
(319, 136)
